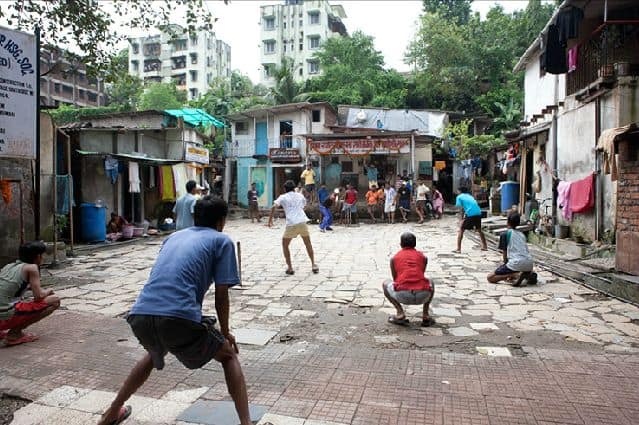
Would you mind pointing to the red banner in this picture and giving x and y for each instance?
(359, 147)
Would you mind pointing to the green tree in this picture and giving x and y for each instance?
(91, 25)
(122, 89)
(467, 145)
(286, 89)
(159, 96)
(454, 10)
(353, 73)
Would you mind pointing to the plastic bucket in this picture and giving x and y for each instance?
(92, 223)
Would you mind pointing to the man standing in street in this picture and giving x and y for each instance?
(470, 219)
(309, 181)
(293, 204)
(254, 209)
(167, 316)
(371, 202)
(389, 203)
(404, 199)
(184, 207)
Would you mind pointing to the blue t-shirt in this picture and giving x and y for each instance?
(189, 262)
(468, 203)
(183, 209)
(322, 194)
(371, 173)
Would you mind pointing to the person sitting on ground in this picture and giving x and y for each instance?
(116, 223)
(409, 285)
(404, 199)
(470, 218)
(15, 278)
(371, 202)
(518, 263)
(167, 316)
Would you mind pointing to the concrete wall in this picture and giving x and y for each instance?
(47, 175)
(540, 91)
(628, 208)
(243, 176)
(10, 213)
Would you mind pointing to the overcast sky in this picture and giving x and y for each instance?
(391, 22)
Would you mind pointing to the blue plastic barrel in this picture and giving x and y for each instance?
(92, 223)
(509, 195)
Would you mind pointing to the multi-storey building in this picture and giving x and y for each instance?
(64, 81)
(295, 30)
(192, 61)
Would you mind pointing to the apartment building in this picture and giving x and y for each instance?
(192, 61)
(64, 81)
(296, 29)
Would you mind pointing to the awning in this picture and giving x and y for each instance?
(195, 117)
(131, 157)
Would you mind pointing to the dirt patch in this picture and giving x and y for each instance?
(8, 405)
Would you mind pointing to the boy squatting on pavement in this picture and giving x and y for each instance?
(409, 285)
(518, 262)
(15, 278)
(167, 316)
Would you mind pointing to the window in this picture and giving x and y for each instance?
(193, 75)
(56, 87)
(269, 24)
(179, 45)
(313, 43)
(136, 48)
(193, 93)
(151, 65)
(193, 40)
(82, 77)
(135, 65)
(347, 166)
(241, 127)
(301, 45)
(193, 58)
(313, 67)
(317, 114)
(81, 94)
(209, 78)
(268, 72)
(269, 47)
(284, 46)
(313, 18)
(67, 89)
(301, 72)
(301, 22)
(179, 79)
(284, 25)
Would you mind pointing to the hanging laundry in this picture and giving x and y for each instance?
(563, 199)
(568, 20)
(582, 196)
(5, 189)
(111, 166)
(64, 185)
(554, 59)
(440, 165)
(572, 58)
(134, 177)
(606, 143)
(191, 173)
(167, 184)
(180, 179)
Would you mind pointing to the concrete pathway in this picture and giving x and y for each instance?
(322, 352)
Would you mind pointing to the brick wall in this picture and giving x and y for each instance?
(628, 207)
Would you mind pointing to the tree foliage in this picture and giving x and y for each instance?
(160, 96)
(353, 73)
(457, 11)
(286, 89)
(469, 146)
(467, 65)
(91, 25)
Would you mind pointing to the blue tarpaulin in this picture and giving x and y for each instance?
(195, 117)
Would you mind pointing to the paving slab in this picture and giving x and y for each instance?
(253, 336)
(494, 351)
(484, 326)
(218, 413)
(462, 331)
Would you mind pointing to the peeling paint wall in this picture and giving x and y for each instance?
(10, 213)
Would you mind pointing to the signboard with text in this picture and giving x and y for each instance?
(18, 101)
(196, 153)
(359, 147)
(284, 155)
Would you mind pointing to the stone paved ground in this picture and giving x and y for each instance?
(568, 355)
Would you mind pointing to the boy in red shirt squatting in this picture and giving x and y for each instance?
(409, 285)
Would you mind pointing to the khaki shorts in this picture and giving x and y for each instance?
(300, 229)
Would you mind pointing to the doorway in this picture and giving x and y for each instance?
(261, 138)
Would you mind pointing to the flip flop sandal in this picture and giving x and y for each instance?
(400, 322)
(290, 272)
(427, 322)
(315, 269)
(125, 412)
(22, 340)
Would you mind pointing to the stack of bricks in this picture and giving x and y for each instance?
(628, 206)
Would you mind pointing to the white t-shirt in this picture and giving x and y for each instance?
(422, 190)
(293, 204)
(390, 195)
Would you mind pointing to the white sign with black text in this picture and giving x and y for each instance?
(18, 102)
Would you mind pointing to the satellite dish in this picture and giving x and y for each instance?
(361, 117)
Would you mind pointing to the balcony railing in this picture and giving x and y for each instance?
(596, 57)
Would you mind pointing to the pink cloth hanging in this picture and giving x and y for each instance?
(572, 58)
(563, 199)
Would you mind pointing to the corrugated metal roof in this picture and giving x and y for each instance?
(428, 123)
(195, 117)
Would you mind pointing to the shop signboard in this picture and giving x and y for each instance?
(196, 153)
(360, 147)
(284, 155)
(18, 100)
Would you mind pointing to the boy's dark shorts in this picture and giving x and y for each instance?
(471, 223)
(504, 270)
(193, 344)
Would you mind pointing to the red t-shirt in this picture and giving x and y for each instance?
(409, 266)
(351, 197)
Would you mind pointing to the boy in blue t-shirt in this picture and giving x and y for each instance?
(471, 217)
(167, 316)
